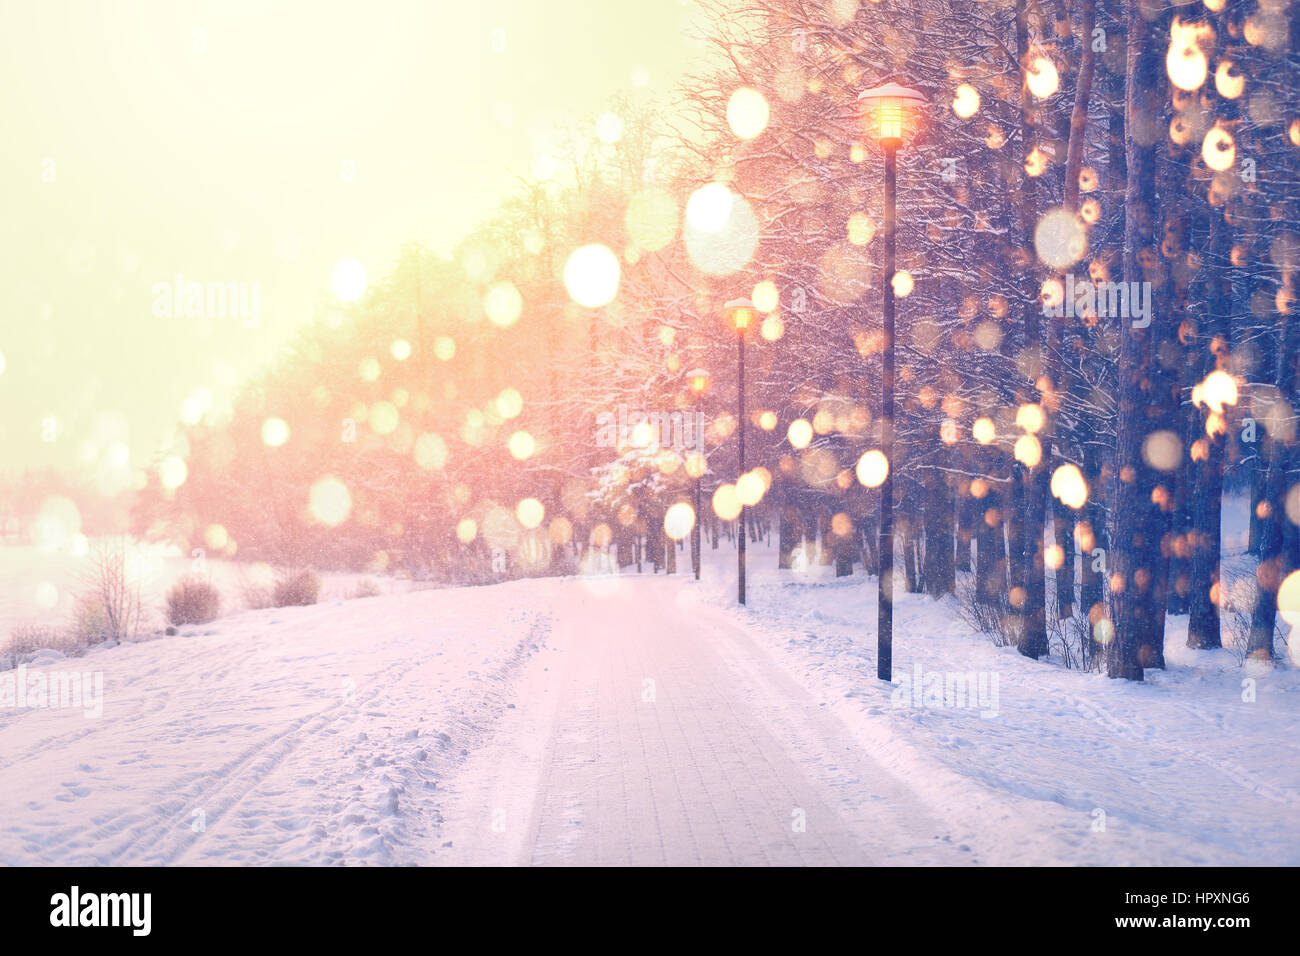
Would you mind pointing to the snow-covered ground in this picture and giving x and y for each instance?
(642, 719)
(1189, 767)
(299, 735)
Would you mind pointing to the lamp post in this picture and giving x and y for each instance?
(887, 109)
(740, 313)
(698, 382)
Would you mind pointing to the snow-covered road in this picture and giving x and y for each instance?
(658, 732)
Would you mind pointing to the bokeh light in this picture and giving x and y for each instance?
(966, 101)
(872, 468)
(275, 432)
(800, 433)
(591, 276)
(747, 113)
(503, 303)
(1069, 487)
(329, 503)
(466, 530)
(530, 512)
(679, 519)
(709, 207)
(726, 503)
(1028, 451)
(172, 472)
(1042, 77)
(1060, 238)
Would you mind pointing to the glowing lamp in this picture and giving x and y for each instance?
(888, 109)
(740, 312)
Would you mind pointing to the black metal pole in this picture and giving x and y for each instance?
(695, 534)
(740, 560)
(885, 597)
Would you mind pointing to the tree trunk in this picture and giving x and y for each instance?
(787, 537)
(990, 549)
(1132, 556)
(940, 574)
(1063, 533)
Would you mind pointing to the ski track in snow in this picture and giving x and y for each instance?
(304, 735)
(639, 720)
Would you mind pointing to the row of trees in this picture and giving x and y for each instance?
(449, 424)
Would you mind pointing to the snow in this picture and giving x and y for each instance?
(642, 719)
(299, 735)
(1185, 771)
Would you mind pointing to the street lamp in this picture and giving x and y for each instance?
(740, 315)
(887, 112)
(697, 380)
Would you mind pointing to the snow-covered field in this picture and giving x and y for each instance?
(646, 720)
(300, 735)
(43, 584)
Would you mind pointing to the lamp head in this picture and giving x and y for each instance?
(888, 110)
(740, 314)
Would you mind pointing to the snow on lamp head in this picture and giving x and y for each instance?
(740, 314)
(697, 380)
(887, 111)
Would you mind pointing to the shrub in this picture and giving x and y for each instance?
(989, 615)
(28, 638)
(296, 589)
(89, 622)
(193, 600)
(111, 610)
(256, 597)
(365, 588)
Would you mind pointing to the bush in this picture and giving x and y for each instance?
(989, 615)
(296, 589)
(365, 588)
(111, 609)
(193, 600)
(89, 622)
(28, 638)
(256, 597)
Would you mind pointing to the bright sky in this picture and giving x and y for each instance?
(215, 140)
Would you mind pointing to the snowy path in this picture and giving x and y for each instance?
(658, 734)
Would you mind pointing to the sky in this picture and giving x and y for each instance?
(259, 144)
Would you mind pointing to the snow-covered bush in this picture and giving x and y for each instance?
(111, 608)
(89, 623)
(987, 614)
(366, 587)
(193, 600)
(1070, 641)
(297, 588)
(26, 639)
